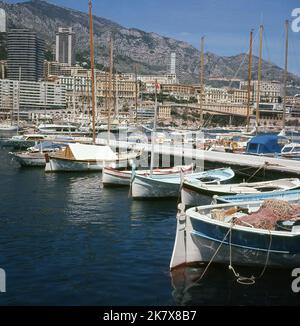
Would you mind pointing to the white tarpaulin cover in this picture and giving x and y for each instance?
(83, 152)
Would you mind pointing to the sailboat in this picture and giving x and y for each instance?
(85, 157)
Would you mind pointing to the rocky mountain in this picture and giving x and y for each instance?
(151, 52)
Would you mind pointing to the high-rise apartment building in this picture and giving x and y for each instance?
(65, 46)
(25, 55)
(2, 21)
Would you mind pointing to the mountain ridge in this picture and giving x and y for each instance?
(149, 50)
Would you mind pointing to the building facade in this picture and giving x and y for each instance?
(2, 21)
(65, 46)
(25, 55)
(25, 97)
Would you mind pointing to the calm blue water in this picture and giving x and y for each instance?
(66, 241)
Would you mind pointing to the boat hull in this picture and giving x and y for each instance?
(290, 196)
(31, 161)
(147, 187)
(193, 194)
(115, 178)
(192, 198)
(153, 188)
(199, 241)
(61, 165)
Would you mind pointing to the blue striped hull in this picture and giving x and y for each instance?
(247, 248)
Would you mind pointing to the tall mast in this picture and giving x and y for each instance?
(201, 80)
(249, 80)
(88, 99)
(154, 131)
(136, 93)
(285, 71)
(19, 96)
(110, 87)
(261, 28)
(92, 69)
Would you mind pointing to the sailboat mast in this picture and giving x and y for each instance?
(88, 99)
(201, 80)
(110, 87)
(249, 80)
(92, 69)
(259, 75)
(285, 72)
(136, 94)
(19, 96)
(154, 131)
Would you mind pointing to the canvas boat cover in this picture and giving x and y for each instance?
(82, 152)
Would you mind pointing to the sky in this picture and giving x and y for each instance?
(226, 24)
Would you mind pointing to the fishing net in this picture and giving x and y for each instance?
(270, 212)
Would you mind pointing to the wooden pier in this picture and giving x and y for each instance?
(227, 159)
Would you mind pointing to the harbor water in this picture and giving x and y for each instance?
(65, 240)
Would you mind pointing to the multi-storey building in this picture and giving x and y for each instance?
(270, 91)
(65, 46)
(25, 55)
(26, 97)
(179, 91)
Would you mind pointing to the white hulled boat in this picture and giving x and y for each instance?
(114, 177)
(155, 186)
(81, 157)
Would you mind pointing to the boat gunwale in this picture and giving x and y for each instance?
(192, 213)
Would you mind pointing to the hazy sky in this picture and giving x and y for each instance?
(225, 23)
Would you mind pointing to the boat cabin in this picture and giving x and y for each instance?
(266, 144)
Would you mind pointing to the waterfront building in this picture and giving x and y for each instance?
(65, 46)
(26, 97)
(270, 91)
(179, 91)
(25, 55)
(78, 91)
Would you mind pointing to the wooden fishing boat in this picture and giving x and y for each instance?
(83, 157)
(290, 196)
(192, 191)
(114, 177)
(169, 186)
(219, 234)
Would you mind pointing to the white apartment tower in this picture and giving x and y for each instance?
(173, 63)
(65, 46)
(2, 21)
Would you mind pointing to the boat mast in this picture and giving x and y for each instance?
(19, 96)
(249, 80)
(88, 99)
(261, 28)
(136, 94)
(92, 69)
(154, 131)
(285, 72)
(110, 87)
(201, 80)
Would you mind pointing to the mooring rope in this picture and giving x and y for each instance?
(252, 279)
(244, 280)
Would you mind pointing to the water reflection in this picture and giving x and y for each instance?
(219, 287)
